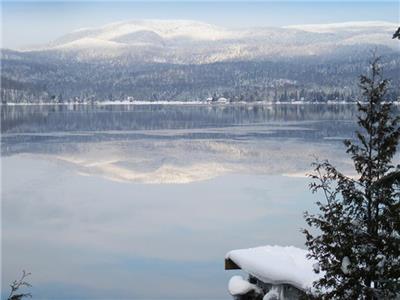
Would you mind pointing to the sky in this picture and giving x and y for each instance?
(35, 22)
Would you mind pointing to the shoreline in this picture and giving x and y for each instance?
(193, 103)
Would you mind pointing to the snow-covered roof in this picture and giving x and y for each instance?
(277, 265)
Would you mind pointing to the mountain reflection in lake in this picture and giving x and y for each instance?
(143, 202)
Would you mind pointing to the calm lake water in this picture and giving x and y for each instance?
(143, 202)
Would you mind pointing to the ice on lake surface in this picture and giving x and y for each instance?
(143, 202)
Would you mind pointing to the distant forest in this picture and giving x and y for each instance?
(29, 77)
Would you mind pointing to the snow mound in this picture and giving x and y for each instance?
(277, 265)
(238, 286)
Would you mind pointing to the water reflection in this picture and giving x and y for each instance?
(51, 128)
(56, 118)
(143, 202)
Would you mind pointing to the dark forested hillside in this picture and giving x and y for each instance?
(32, 77)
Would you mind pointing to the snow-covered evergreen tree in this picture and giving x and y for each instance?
(356, 235)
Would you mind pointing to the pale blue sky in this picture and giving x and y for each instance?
(35, 22)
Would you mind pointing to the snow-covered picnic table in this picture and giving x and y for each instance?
(275, 266)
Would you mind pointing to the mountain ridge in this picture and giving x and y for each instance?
(188, 42)
(185, 61)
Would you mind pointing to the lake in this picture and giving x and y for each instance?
(144, 201)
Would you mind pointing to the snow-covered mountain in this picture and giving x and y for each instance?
(183, 41)
(175, 60)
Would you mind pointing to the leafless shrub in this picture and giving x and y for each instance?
(17, 285)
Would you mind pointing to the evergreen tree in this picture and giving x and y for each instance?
(396, 35)
(355, 237)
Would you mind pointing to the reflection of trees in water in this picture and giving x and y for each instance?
(17, 119)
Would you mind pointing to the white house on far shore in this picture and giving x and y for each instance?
(222, 100)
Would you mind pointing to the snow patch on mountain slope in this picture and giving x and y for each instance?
(169, 29)
(367, 38)
(166, 29)
(89, 43)
(346, 26)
